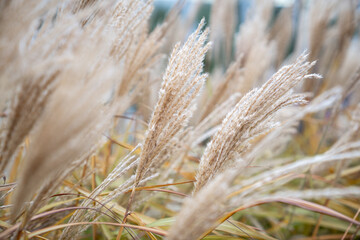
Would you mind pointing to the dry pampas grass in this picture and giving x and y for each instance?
(182, 83)
(248, 131)
(251, 117)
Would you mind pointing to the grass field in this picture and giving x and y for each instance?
(229, 120)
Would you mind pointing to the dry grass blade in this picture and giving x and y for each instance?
(61, 226)
(79, 215)
(296, 199)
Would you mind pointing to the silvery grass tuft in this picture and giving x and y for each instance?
(252, 116)
(182, 82)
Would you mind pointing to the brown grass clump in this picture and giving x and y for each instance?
(250, 129)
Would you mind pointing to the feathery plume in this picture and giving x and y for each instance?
(252, 116)
(200, 213)
(227, 86)
(257, 51)
(62, 136)
(26, 108)
(182, 83)
(222, 24)
(74, 119)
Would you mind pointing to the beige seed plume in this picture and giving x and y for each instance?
(200, 213)
(26, 107)
(253, 115)
(281, 33)
(70, 128)
(222, 25)
(229, 84)
(76, 114)
(181, 84)
(135, 47)
(252, 42)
